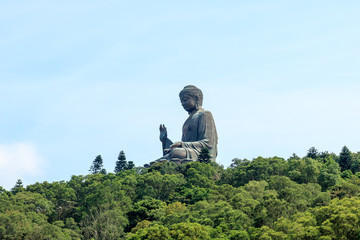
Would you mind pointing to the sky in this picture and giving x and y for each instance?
(85, 78)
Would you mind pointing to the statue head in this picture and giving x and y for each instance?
(193, 92)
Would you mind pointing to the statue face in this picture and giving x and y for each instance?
(188, 103)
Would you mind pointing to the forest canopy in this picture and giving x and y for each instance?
(310, 197)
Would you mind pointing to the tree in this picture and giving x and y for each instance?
(263, 168)
(18, 186)
(97, 166)
(104, 223)
(160, 186)
(154, 232)
(130, 165)
(294, 156)
(304, 170)
(300, 226)
(144, 210)
(323, 156)
(345, 159)
(340, 219)
(121, 163)
(312, 153)
(186, 230)
(329, 174)
(355, 163)
(204, 156)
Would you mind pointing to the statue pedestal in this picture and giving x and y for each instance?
(177, 161)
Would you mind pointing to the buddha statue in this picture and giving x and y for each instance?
(198, 131)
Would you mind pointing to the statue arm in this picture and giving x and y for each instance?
(166, 142)
(166, 145)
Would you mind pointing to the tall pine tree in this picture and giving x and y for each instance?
(345, 159)
(121, 163)
(204, 156)
(97, 166)
(312, 153)
(18, 187)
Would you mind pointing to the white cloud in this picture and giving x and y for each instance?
(18, 161)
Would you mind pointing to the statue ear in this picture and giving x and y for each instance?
(197, 103)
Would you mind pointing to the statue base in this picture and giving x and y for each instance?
(177, 161)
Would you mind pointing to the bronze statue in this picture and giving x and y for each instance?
(198, 131)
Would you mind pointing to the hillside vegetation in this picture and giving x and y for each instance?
(313, 197)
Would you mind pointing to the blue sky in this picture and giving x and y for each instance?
(83, 78)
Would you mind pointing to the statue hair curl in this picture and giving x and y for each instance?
(194, 92)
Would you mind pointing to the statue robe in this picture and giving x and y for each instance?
(199, 132)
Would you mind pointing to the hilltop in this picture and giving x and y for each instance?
(312, 197)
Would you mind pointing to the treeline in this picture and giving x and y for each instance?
(120, 165)
(310, 197)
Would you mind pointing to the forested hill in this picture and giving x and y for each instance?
(313, 197)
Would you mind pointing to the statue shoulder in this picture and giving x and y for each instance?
(205, 113)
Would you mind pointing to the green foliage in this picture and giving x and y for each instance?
(154, 232)
(341, 219)
(181, 231)
(97, 166)
(266, 198)
(300, 226)
(303, 170)
(18, 187)
(130, 165)
(104, 223)
(163, 187)
(325, 156)
(25, 216)
(345, 159)
(346, 174)
(121, 164)
(245, 202)
(329, 174)
(244, 171)
(355, 164)
(312, 153)
(346, 188)
(144, 210)
(294, 156)
(204, 156)
(263, 168)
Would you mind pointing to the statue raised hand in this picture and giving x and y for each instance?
(166, 143)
